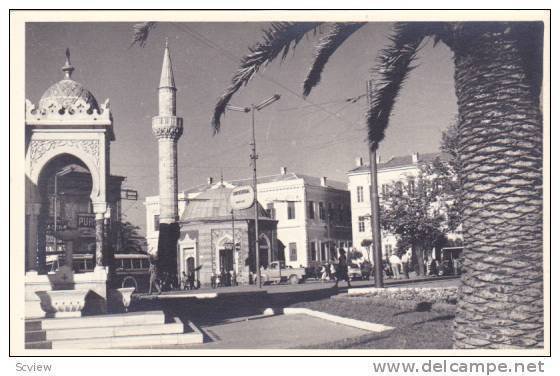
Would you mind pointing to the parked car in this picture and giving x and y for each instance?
(367, 269)
(354, 271)
(278, 272)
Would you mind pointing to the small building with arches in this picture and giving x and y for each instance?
(213, 238)
(71, 198)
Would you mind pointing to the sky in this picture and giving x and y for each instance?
(321, 135)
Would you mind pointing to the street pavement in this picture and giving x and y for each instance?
(311, 285)
(231, 317)
(276, 332)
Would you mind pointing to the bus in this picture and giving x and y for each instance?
(130, 269)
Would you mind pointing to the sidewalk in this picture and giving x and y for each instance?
(309, 285)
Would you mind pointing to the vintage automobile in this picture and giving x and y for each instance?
(354, 271)
(278, 272)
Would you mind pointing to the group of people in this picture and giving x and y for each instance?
(223, 279)
(162, 281)
(401, 265)
(328, 271)
(445, 267)
(336, 270)
(189, 281)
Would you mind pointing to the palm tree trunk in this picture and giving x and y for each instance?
(500, 125)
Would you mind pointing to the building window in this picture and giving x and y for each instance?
(385, 190)
(411, 186)
(270, 210)
(291, 210)
(399, 187)
(324, 249)
(156, 222)
(360, 193)
(312, 251)
(293, 251)
(388, 250)
(341, 213)
(321, 211)
(361, 224)
(311, 210)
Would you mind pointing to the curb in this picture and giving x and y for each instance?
(364, 325)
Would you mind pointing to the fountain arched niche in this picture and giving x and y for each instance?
(66, 184)
(80, 189)
(65, 181)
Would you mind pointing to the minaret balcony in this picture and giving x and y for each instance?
(167, 127)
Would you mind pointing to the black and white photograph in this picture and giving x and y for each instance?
(311, 182)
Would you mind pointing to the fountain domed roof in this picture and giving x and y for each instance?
(66, 93)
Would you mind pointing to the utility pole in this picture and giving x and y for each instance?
(374, 202)
(254, 156)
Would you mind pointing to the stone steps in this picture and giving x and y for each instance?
(129, 330)
(111, 320)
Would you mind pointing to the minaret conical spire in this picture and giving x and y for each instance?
(167, 79)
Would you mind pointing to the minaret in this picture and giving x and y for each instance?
(167, 128)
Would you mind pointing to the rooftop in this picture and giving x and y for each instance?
(213, 204)
(403, 161)
(288, 176)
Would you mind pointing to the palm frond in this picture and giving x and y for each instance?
(336, 35)
(394, 63)
(141, 32)
(277, 40)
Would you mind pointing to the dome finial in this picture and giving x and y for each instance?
(166, 42)
(67, 68)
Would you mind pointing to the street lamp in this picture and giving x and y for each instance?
(64, 171)
(254, 158)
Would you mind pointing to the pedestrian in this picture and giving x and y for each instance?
(324, 273)
(456, 267)
(153, 278)
(191, 280)
(395, 262)
(233, 278)
(342, 270)
(219, 280)
(405, 262)
(185, 281)
(213, 280)
(433, 266)
(223, 278)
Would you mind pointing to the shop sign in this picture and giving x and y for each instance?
(242, 197)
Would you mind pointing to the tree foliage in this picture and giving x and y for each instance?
(131, 241)
(412, 210)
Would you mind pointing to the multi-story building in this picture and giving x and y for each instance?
(312, 214)
(402, 168)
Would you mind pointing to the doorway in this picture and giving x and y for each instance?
(226, 259)
(189, 265)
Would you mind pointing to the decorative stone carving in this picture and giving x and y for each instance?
(78, 110)
(167, 127)
(120, 298)
(38, 148)
(218, 237)
(63, 303)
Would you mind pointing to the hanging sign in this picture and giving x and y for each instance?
(242, 197)
(86, 225)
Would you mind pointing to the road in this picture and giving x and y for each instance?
(308, 286)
